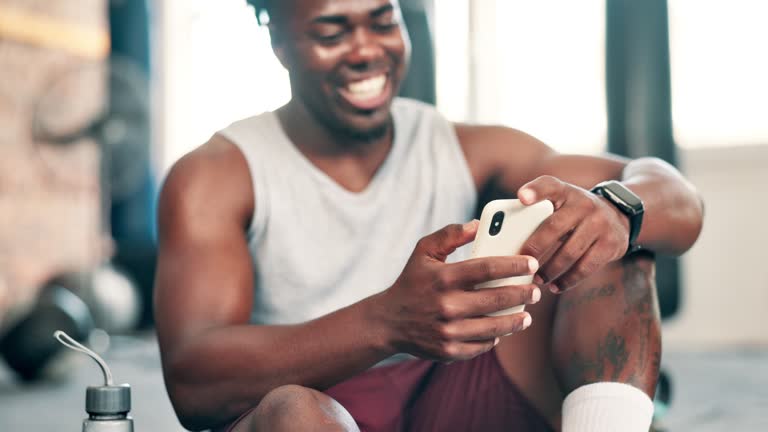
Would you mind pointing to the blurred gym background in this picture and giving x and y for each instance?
(99, 98)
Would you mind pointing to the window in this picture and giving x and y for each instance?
(719, 72)
(216, 66)
(451, 34)
(537, 66)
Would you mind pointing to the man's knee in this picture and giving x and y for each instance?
(293, 407)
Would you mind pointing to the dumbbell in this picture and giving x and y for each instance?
(112, 297)
(28, 346)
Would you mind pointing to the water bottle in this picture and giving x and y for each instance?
(108, 405)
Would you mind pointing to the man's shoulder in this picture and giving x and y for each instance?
(214, 174)
(469, 135)
(260, 120)
(217, 156)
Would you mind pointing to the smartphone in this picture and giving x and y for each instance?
(505, 225)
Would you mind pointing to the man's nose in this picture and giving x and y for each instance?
(365, 48)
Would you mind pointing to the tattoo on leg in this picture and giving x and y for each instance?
(645, 335)
(638, 302)
(614, 350)
(587, 296)
(632, 379)
(628, 349)
(637, 295)
(582, 370)
(611, 351)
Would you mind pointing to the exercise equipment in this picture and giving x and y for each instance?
(28, 347)
(111, 296)
(114, 300)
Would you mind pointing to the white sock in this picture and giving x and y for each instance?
(607, 407)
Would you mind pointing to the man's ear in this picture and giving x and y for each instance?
(278, 47)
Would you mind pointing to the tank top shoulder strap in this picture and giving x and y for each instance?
(256, 138)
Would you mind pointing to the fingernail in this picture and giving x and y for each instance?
(554, 289)
(535, 296)
(538, 280)
(533, 265)
(496, 341)
(470, 225)
(526, 195)
(527, 322)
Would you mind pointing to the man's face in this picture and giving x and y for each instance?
(346, 58)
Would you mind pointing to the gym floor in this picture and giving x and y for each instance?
(712, 391)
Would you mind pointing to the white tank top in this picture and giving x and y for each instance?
(317, 247)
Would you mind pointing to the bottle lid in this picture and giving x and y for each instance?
(106, 400)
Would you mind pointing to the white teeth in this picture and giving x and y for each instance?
(368, 88)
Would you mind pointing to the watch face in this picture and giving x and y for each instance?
(625, 195)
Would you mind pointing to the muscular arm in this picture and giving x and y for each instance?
(673, 209)
(216, 365)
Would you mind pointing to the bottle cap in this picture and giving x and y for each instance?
(107, 400)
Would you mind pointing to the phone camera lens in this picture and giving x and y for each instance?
(496, 222)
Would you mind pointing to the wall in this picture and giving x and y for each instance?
(212, 65)
(725, 275)
(50, 219)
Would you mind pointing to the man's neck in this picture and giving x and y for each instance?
(317, 140)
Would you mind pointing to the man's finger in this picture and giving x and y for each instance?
(552, 233)
(467, 274)
(477, 303)
(575, 246)
(544, 187)
(590, 262)
(469, 349)
(485, 328)
(444, 241)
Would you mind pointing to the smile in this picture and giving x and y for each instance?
(367, 94)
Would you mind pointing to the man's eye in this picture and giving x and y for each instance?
(385, 26)
(330, 38)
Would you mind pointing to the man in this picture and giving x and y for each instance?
(301, 248)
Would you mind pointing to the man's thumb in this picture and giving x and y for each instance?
(444, 241)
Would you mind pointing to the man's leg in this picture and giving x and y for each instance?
(295, 408)
(605, 329)
(610, 330)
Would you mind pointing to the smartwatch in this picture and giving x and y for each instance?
(628, 203)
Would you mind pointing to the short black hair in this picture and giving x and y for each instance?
(262, 9)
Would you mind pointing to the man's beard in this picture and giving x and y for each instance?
(371, 135)
(354, 136)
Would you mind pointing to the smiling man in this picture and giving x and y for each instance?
(312, 276)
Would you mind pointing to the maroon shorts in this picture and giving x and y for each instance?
(421, 396)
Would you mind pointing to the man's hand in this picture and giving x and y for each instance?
(433, 310)
(585, 233)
